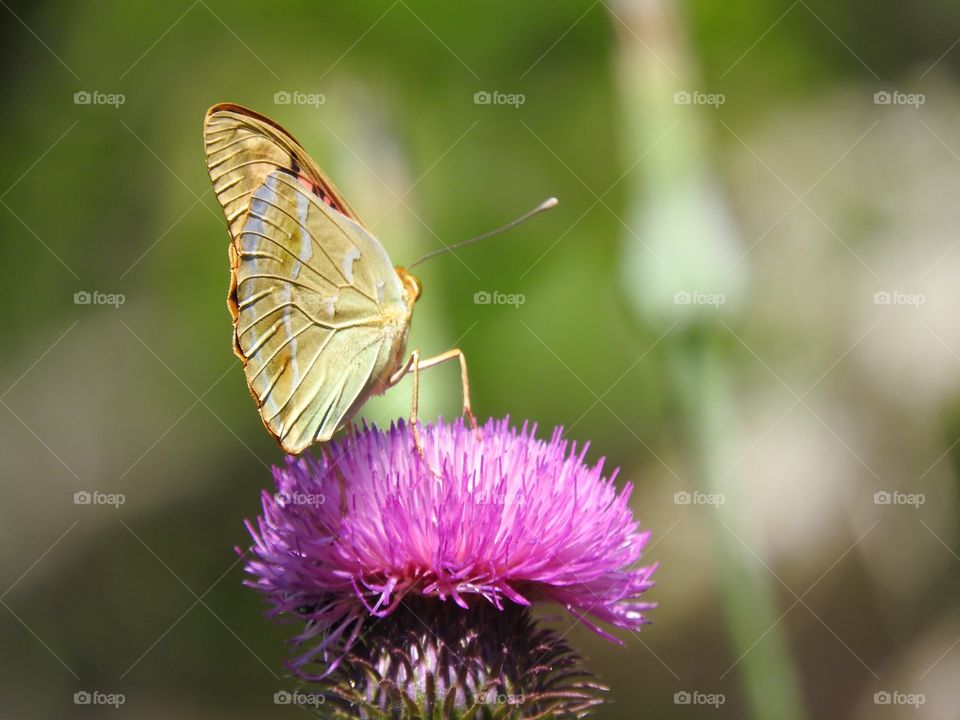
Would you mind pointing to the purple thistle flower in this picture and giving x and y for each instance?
(503, 516)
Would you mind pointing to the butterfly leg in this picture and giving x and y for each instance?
(334, 465)
(412, 364)
(464, 378)
(415, 403)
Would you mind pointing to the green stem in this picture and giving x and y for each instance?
(763, 660)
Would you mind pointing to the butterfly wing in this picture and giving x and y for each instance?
(320, 315)
(243, 147)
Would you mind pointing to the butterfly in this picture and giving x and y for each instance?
(320, 314)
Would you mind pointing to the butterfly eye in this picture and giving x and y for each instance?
(414, 286)
(411, 283)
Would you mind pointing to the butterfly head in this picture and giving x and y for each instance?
(411, 284)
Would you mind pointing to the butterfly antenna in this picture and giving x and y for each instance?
(545, 205)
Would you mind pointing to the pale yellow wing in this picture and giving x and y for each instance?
(243, 147)
(321, 314)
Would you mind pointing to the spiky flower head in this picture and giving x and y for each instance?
(432, 659)
(495, 516)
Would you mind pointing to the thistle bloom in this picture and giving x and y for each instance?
(500, 518)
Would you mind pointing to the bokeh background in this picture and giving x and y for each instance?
(746, 300)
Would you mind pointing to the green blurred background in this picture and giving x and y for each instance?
(747, 294)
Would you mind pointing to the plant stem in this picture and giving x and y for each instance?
(763, 660)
